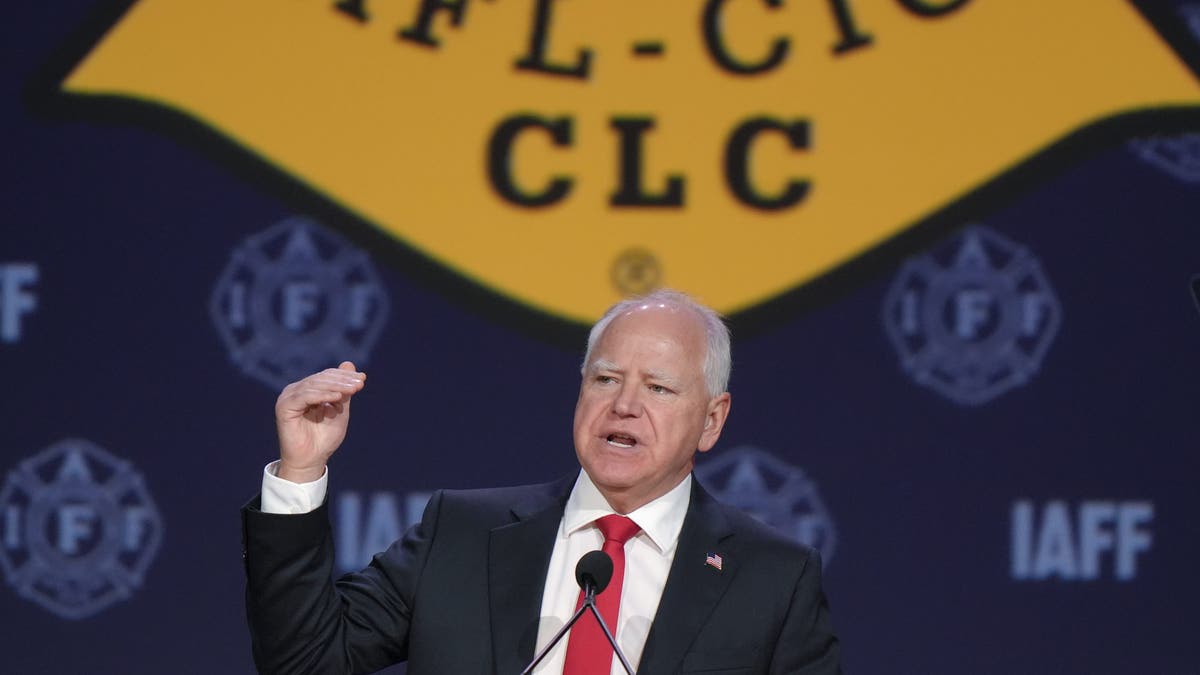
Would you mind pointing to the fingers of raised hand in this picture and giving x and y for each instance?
(330, 386)
(323, 411)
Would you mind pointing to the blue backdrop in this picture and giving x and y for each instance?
(990, 429)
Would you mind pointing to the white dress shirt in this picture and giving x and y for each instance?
(284, 496)
(648, 557)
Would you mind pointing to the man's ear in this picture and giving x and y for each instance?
(714, 421)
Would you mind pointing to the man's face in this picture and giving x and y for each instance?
(643, 408)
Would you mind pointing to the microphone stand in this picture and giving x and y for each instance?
(589, 602)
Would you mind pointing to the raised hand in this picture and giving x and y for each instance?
(311, 416)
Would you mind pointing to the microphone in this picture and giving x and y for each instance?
(593, 572)
(1196, 289)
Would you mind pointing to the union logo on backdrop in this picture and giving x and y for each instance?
(1177, 155)
(79, 529)
(570, 147)
(773, 491)
(1087, 541)
(297, 298)
(972, 319)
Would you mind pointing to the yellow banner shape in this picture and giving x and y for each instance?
(567, 152)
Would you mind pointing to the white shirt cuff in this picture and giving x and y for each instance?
(283, 496)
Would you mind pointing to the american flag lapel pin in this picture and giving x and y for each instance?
(713, 560)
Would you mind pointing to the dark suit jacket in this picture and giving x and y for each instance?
(461, 593)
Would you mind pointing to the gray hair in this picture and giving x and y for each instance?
(717, 358)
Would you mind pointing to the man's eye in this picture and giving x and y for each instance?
(604, 379)
(659, 389)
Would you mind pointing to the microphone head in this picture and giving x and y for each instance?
(594, 569)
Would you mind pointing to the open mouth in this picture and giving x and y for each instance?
(621, 440)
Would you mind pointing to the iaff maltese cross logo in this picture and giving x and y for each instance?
(79, 529)
(296, 298)
(1178, 156)
(974, 321)
(773, 491)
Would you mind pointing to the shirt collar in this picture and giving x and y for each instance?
(660, 520)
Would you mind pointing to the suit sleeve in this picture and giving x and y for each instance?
(301, 621)
(807, 644)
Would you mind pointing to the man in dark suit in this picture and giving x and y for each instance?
(486, 579)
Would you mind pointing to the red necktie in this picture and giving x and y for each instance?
(588, 651)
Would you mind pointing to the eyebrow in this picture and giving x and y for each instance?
(660, 376)
(603, 364)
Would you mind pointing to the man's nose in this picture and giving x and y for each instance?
(628, 402)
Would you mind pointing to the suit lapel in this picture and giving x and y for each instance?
(518, 556)
(693, 586)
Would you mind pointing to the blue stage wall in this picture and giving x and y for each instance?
(990, 428)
